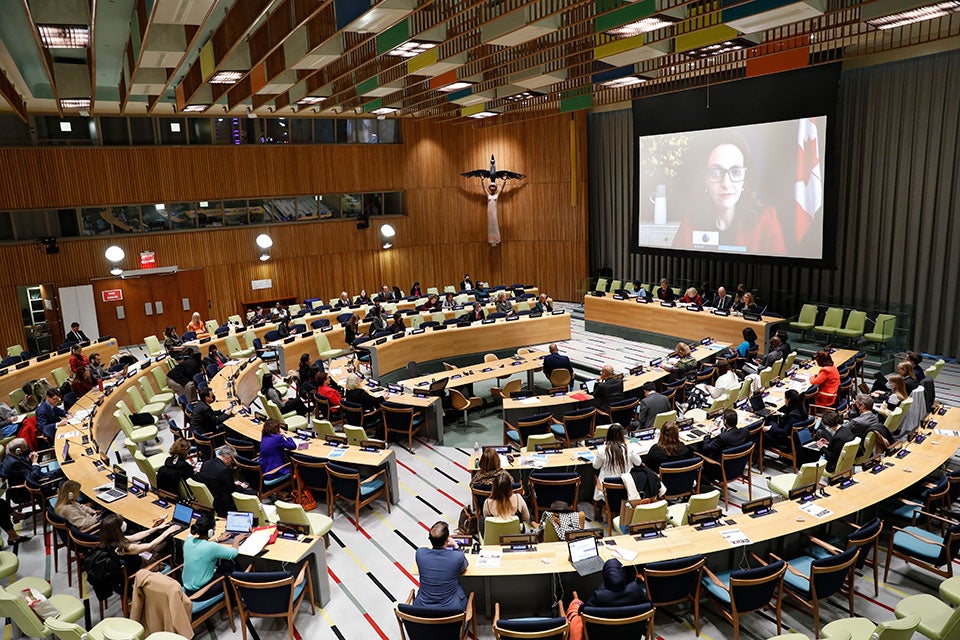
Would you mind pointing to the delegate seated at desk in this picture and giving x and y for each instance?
(50, 415)
(832, 436)
(614, 457)
(668, 448)
(205, 559)
(608, 389)
(440, 568)
(555, 360)
(652, 404)
(217, 474)
(731, 436)
(207, 421)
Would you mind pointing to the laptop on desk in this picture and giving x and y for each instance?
(585, 556)
(808, 439)
(182, 515)
(758, 407)
(239, 523)
(119, 489)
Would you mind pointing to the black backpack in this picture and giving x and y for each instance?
(104, 572)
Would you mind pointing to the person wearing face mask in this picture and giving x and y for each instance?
(217, 474)
(206, 420)
(205, 559)
(729, 211)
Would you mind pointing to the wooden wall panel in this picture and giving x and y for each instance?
(544, 227)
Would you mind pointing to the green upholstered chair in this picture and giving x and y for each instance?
(154, 348)
(864, 629)
(59, 376)
(949, 590)
(847, 457)
(319, 524)
(106, 629)
(154, 397)
(493, 528)
(602, 284)
(806, 320)
(809, 473)
(831, 322)
(853, 329)
(678, 514)
(14, 607)
(938, 620)
(142, 406)
(653, 512)
(883, 328)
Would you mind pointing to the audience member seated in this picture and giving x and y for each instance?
(97, 370)
(906, 370)
(721, 301)
(614, 457)
(204, 560)
(343, 301)
(77, 359)
(82, 382)
(440, 568)
(780, 424)
(206, 420)
(114, 538)
(432, 303)
(449, 302)
(827, 380)
(82, 516)
(746, 304)
(503, 305)
(831, 437)
(482, 292)
(668, 448)
(619, 588)
(555, 360)
(665, 293)
(273, 395)
(686, 365)
(75, 334)
(774, 353)
(415, 291)
(358, 395)
(893, 395)
(20, 465)
(608, 390)
(916, 359)
(215, 358)
(730, 436)
(351, 330)
(466, 284)
(197, 326)
(475, 314)
(50, 415)
(272, 447)
(325, 389)
(504, 503)
(217, 474)
(544, 304)
(749, 344)
(171, 340)
(363, 298)
(397, 324)
(488, 470)
(651, 404)
(784, 343)
(177, 468)
(180, 378)
(691, 296)
(861, 419)
(727, 382)
(385, 295)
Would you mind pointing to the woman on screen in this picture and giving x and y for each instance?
(729, 214)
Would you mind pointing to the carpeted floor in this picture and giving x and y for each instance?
(369, 568)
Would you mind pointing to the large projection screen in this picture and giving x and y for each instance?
(751, 190)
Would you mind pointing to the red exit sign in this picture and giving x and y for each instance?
(112, 295)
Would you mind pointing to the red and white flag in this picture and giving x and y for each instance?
(808, 189)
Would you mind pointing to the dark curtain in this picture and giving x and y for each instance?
(898, 219)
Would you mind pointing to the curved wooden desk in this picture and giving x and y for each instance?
(394, 354)
(606, 315)
(12, 378)
(143, 510)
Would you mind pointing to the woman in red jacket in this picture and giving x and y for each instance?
(827, 380)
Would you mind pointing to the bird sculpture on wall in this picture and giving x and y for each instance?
(493, 191)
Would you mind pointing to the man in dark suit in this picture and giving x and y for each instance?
(385, 295)
(721, 301)
(475, 314)
(217, 474)
(832, 436)
(50, 415)
(652, 404)
(466, 284)
(731, 436)
(554, 361)
(861, 419)
(609, 389)
(75, 334)
(207, 421)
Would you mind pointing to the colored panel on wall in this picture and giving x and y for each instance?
(703, 37)
(576, 103)
(625, 15)
(443, 79)
(258, 77)
(367, 85)
(373, 104)
(393, 37)
(346, 11)
(425, 59)
(207, 64)
(777, 62)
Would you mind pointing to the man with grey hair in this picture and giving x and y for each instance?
(217, 474)
(861, 419)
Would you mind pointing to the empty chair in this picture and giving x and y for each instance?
(681, 478)
(865, 629)
(460, 402)
(402, 419)
(678, 514)
(741, 591)
(831, 322)
(319, 524)
(142, 406)
(734, 465)
(274, 594)
(938, 620)
(493, 528)
(622, 412)
(529, 425)
(618, 623)
(346, 484)
(663, 418)
(262, 513)
(106, 629)
(810, 473)
(865, 537)
(845, 462)
(806, 320)
(201, 494)
(234, 349)
(15, 608)
(853, 329)
(809, 580)
(527, 627)
(154, 347)
(883, 330)
(643, 513)
(154, 397)
(926, 548)
(324, 350)
(575, 425)
(547, 487)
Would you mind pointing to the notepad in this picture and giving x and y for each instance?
(255, 543)
(815, 510)
(735, 537)
(489, 559)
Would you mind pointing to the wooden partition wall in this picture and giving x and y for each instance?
(543, 221)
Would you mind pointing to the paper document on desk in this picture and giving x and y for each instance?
(530, 400)
(815, 510)
(624, 554)
(231, 363)
(336, 371)
(735, 537)
(336, 453)
(67, 434)
(947, 432)
(81, 414)
(255, 543)
(489, 559)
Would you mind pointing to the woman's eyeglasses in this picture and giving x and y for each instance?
(716, 174)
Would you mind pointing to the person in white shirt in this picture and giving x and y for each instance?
(614, 457)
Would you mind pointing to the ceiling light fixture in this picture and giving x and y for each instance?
(64, 36)
(646, 25)
(195, 108)
(455, 86)
(75, 103)
(116, 271)
(387, 233)
(919, 14)
(523, 96)
(226, 77)
(719, 48)
(628, 81)
(264, 241)
(114, 253)
(310, 100)
(411, 48)
(482, 114)
(383, 111)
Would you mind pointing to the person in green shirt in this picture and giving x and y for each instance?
(204, 559)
